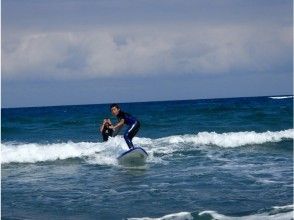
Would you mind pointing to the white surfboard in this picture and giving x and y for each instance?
(134, 157)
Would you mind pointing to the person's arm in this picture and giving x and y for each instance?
(118, 125)
(102, 126)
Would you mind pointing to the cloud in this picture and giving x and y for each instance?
(143, 51)
(58, 40)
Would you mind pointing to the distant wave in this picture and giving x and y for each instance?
(175, 216)
(281, 97)
(105, 153)
(232, 139)
(275, 213)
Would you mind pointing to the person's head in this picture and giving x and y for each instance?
(107, 122)
(114, 108)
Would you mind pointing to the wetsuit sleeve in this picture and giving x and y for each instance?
(120, 116)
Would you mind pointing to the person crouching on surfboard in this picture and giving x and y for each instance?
(125, 118)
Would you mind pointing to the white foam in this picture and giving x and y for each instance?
(176, 216)
(280, 216)
(107, 152)
(282, 97)
(232, 139)
(102, 153)
(277, 213)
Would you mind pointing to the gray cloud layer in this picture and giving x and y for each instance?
(173, 49)
(77, 39)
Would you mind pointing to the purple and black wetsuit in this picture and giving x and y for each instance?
(133, 127)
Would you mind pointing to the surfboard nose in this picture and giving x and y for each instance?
(135, 157)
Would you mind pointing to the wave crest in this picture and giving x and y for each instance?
(282, 97)
(275, 213)
(106, 153)
(232, 139)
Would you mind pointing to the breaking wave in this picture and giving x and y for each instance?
(105, 153)
(275, 213)
(282, 97)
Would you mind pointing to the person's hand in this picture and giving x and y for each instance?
(112, 127)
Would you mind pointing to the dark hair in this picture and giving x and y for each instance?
(114, 105)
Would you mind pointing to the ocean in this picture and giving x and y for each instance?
(208, 159)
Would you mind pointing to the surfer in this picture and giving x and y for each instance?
(125, 118)
(105, 129)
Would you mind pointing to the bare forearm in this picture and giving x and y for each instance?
(101, 128)
(119, 124)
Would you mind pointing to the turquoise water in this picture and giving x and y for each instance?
(208, 159)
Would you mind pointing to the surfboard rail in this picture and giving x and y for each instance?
(131, 151)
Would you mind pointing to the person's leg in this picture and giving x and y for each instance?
(130, 133)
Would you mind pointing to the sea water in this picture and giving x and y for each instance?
(208, 159)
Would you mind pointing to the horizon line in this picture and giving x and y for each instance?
(133, 102)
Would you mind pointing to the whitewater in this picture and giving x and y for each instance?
(275, 213)
(106, 153)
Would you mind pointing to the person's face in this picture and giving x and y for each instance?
(114, 111)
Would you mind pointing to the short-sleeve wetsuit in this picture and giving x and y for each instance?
(133, 127)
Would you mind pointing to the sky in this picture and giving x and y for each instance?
(72, 52)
